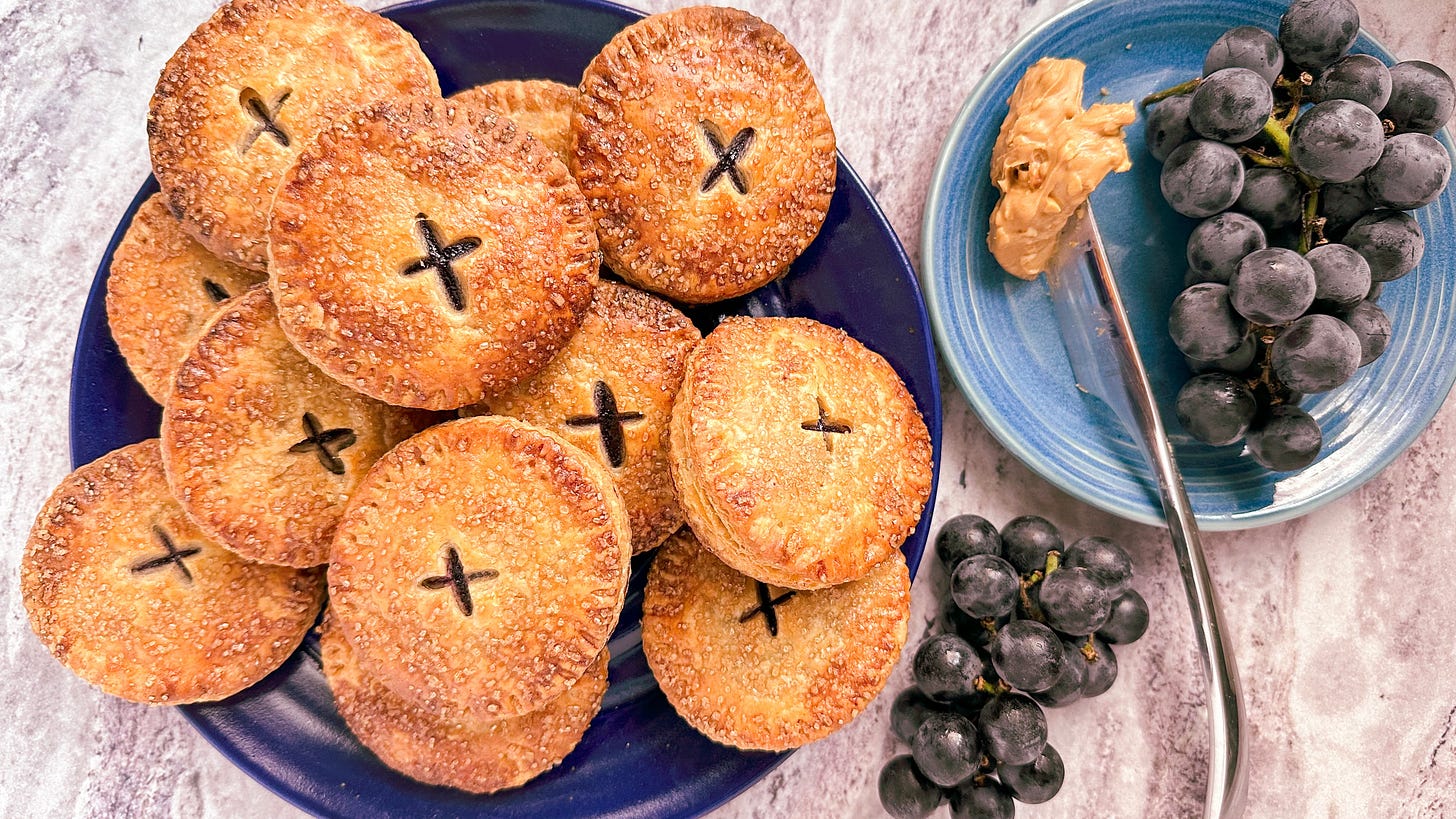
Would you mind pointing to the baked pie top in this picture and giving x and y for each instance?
(542, 107)
(130, 595)
(429, 253)
(162, 288)
(481, 567)
(758, 666)
(248, 90)
(800, 457)
(264, 450)
(453, 750)
(610, 392)
(705, 151)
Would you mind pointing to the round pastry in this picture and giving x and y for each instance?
(799, 456)
(163, 286)
(763, 667)
(610, 392)
(248, 90)
(262, 449)
(542, 107)
(428, 253)
(703, 146)
(457, 751)
(134, 599)
(481, 567)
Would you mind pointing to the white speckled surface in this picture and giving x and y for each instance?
(1342, 621)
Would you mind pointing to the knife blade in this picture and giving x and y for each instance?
(1105, 361)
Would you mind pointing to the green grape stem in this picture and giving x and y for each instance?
(993, 689)
(1313, 227)
(989, 624)
(1180, 88)
(1089, 650)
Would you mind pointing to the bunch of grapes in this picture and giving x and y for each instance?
(1029, 623)
(1302, 161)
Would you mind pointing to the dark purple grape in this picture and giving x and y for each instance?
(1068, 687)
(1216, 408)
(910, 708)
(1246, 47)
(1128, 621)
(1272, 286)
(1343, 204)
(985, 586)
(1289, 439)
(1026, 541)
(1358, 77)
(1422, 97)
(1220, 242)
(1075, 601)
(1231, 105)
(1101, 672)
(1390, 241)
(905, 793)
(1105, 559)
(1272, 196)
(1027, 655)
(1341, 276)
(971, 629)
(1037, 781)
(1336, 140)
(1237, 362)
(946, 668)
(946, 749)
(1013, 728)
(1202, 177)
(1315, 33)
(963, 536)
(1372, 327)
(1203, 323)
(982, 800)
(1168, 126)
(1412, 171)
(1316, 354)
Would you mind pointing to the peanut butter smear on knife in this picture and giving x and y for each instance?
(1048, 158)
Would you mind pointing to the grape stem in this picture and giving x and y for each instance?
(989, 624)
(1180, 88)
(1313, 224)
(1090, 651)
(993, 689)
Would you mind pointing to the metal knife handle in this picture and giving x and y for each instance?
(1227, 774)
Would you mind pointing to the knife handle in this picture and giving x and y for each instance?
(1227, 774)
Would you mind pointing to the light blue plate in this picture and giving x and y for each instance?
(999, 337)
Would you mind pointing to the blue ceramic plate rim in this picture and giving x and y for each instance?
(931, 229)
(762, 764)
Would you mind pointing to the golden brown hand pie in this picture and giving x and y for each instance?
(542, 107)
(162, 288)
(428, 253)
(131, 596)
(248, 90)
(703, 146)
(763, 667)
(481, 567)
(262, 449)
(610, 392)
(450, 749)
(799, 456)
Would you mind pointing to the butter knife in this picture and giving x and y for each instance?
(1105, 361)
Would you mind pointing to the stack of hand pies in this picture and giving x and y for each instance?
(338, 254)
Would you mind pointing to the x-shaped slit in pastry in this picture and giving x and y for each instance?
(458, 580)
(266, 116)
(172, 557)
(822, 424)
(327, 443)
(766, 603)
(608, 421)
(727, 158)
(441, 258)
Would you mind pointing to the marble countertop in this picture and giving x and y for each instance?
(1342, 621)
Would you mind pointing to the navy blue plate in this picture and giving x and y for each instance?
(638, 759)
(999, 335)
